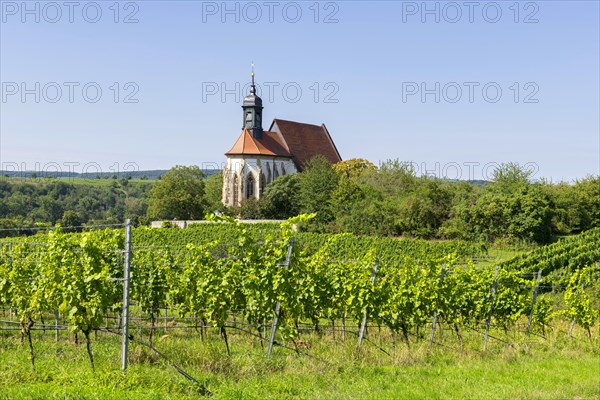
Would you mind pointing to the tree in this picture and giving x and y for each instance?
(510, 206)
(135, 209)
(317, 183)
(214, 192)
(510, 175)
(425, 209)
(283, 196)
(457, 226)
(70, 218)
(254, 208)
(393, 178)
(51, 209)
(353, 167)
(589, 190)
(576, 207)
(178, 195)
(361, 208)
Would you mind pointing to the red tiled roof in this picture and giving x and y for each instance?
(268, 145)
(304, 141)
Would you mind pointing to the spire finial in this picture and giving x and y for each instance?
(252, 87)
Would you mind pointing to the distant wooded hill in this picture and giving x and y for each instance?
(147, 174)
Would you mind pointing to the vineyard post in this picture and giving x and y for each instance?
(489, 319)
(10, 263)
(56, 325)
(278, 305)
(363, 323)
(127, 261)
(437, 303)
(535, 293)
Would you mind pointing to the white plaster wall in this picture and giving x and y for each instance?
(270, 167)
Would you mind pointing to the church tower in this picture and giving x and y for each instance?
(256, 158)
(253, 111)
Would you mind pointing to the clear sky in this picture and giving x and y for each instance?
(453, 87)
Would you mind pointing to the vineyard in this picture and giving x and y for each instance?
(559, 260)
(347, 246)
(274, 284)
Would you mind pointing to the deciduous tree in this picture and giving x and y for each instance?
(179, 195)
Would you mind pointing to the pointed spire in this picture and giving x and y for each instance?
(252, 107)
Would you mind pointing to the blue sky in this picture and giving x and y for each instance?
(453, 87)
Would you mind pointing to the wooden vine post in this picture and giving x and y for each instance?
(437, 304)
(278, 305)
(363, 323)
(489, 319)
(572, 325)
(126, 276)
(534, 298)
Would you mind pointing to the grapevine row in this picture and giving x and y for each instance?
(559, 260)
(78, 275)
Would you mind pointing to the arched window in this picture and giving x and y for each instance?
(262, 185)
(248, 121)
(275, 172)
(250, 186)
(268, 173)
(236, 190)
(282, 169)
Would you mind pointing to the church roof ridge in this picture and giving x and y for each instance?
(294, 122)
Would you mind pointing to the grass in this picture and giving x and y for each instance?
(532, 368)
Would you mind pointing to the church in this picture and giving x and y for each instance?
(258, 157)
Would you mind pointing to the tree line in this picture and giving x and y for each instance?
(351, 196)
(356, 196)
(38, 202)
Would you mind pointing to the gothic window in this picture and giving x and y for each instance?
(235, 190)
(268, 173)
(282, 169)
(275, 172)
(250, 186)
(262, 184)
(226, 188)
